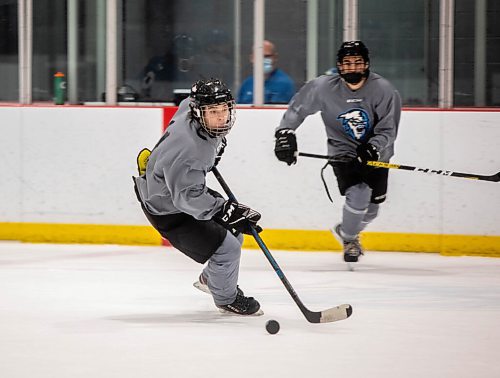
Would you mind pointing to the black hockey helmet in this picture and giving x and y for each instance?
(351, 48)
(205, 93)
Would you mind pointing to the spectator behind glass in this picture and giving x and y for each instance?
(173, 70)
(279, 88)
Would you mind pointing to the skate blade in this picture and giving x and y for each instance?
(230, 313)
(202, 287)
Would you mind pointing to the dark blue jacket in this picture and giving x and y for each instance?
(279, 88)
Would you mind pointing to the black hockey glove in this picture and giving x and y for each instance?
(285, 148)
(241, 218)
(367, 152)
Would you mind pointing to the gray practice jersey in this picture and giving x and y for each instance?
(175, 176)
(369, 114)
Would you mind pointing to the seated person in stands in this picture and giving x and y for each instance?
(279, 88)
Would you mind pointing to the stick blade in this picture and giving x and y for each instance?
(336, 313)
(492, 178)
(333, 314)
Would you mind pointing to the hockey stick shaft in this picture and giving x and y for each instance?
(380, 164)
(330, 315)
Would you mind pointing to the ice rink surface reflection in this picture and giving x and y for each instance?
(120, 311)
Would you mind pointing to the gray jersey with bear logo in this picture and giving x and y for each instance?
(177, 168)
(369, 114)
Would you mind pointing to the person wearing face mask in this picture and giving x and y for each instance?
(279, 88)
(361, 111)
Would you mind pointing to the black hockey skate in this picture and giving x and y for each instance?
(242, 306)
(352, 248)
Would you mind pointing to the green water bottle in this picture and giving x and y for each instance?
(59, 88)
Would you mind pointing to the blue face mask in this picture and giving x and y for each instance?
(268, 65)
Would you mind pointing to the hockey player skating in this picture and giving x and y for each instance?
(361, 112)
(195, 219)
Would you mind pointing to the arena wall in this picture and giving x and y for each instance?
(67, 178)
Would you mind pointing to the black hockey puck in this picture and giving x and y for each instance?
(272, 326)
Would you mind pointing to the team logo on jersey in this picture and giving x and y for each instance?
(355, 122)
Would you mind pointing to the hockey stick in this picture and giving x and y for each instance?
(330, 315)
(380, 164)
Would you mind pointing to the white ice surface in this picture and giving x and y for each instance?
(111, 311)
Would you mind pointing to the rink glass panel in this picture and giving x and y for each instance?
(402, 35)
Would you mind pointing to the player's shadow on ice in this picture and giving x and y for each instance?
(381, 269)
(193, 317)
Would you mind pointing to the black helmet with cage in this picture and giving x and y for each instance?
(353, 48)
(209, 93)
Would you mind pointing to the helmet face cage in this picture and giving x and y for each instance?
(219, 130)
(206, 94)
